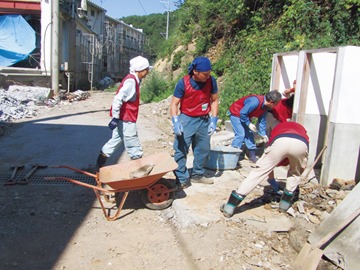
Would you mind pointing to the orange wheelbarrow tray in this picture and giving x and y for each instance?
(143, 174)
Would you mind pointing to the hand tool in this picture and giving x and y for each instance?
(304, 176)
(12, 180)
(25, 180)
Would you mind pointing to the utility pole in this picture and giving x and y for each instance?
(55, 47)
(167, 5)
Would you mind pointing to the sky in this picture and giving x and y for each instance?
(122, 8)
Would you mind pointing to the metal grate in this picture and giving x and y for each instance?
(39, 179)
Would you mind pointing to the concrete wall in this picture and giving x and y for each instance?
(326, 103)
(343, 136)
(316, 71)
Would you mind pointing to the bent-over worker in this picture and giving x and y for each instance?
(288, 144)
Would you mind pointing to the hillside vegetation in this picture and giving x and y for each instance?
(240, 38)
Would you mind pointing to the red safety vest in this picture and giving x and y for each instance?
(236, 107)
(288, 129)
(129, 110)
(196, 102)
(282, 111)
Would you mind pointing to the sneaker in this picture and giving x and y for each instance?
(201, 180)
(181, 186)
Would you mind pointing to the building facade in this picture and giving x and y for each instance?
(89, 45)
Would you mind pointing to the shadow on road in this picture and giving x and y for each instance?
(38, 221)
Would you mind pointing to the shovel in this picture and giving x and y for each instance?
(304, 177)
(310, 255)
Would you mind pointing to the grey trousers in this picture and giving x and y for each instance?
(293, 149)
(125, 133)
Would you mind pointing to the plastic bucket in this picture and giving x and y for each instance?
(223, 158)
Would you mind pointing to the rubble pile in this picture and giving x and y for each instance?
(75, 96)
(20, 101)
(315, 202)
(23, 101)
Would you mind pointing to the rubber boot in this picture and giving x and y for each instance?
(286, 199)
(252, 156)
(101, 160)
(234, 200)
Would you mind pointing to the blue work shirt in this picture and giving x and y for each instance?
(250, 105)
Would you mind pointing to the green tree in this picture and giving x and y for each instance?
(250, 33)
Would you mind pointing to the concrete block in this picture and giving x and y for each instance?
(228, 126)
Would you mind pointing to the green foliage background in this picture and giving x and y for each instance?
(154, 27)
(251, 32)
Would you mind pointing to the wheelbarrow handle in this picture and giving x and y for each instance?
(76, 170)
(79, 183)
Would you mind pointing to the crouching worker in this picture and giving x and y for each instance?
(241, 112)
(288, 145)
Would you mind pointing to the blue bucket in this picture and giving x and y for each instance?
(223, 158)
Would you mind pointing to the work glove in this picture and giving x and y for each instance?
(113, 123)
(252, 127)
(177, 126)
(212, 125)
(265, 138)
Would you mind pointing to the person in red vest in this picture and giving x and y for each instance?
(124, 112)
(282, 112)
(194, 111)
(288, 145)
(241, 113)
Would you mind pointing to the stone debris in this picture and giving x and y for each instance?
(340, 184)
(23, 101)
(75, 96)
(20, 101)
(316, 202)
(142, 171)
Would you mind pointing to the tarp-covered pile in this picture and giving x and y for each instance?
(17, 39)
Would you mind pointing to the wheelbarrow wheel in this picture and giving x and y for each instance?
(159, 196)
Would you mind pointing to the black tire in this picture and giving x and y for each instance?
(159, 197)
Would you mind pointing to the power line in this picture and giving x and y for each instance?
(142, 7)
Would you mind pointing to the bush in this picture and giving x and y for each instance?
(154, 88)
(177, 60)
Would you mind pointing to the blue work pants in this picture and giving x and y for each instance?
(195, 134)
(242, 134)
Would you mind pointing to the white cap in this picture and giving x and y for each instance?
(139, 63)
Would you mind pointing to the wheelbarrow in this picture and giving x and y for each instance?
(144, 174)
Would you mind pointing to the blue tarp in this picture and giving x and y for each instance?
(17, 39)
